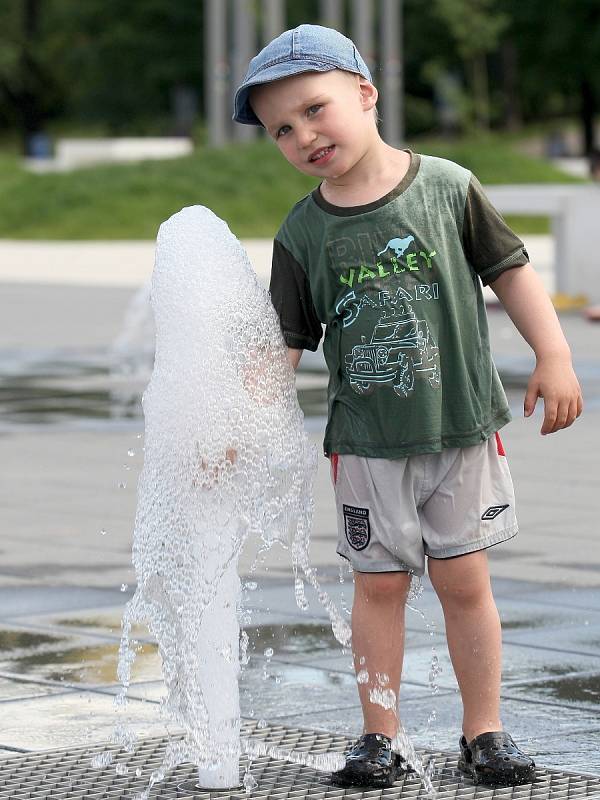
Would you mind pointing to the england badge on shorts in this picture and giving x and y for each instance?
(356, 526)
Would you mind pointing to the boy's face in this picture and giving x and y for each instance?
(321, 121)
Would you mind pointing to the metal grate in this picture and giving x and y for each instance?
(68, 774)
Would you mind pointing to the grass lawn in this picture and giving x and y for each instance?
(250, 186)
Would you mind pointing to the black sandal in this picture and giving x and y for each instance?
(371, 762)
(495, 760)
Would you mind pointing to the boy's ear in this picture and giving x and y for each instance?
(368, 94)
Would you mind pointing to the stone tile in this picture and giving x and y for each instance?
(25, 601)
(522, 663)
(297, 688)
(577, 752)
(519, 664)
(580, 636)
(19, 690)
(346, 719)
(70, 719)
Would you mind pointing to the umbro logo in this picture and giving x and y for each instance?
(493, 511)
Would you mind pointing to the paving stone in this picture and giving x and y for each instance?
(68, 719)
(18, 690)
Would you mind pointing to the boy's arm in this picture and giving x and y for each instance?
(522, 294)
(294, 356)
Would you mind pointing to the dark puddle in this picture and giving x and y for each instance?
(61, 659)
(529, 622)
(23, 640)
(574, 689)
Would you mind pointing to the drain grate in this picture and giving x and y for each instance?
(68, 774)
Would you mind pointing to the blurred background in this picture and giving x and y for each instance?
(506, 88)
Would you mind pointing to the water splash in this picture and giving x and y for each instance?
(226, 458)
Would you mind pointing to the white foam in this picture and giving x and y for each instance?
(226, 457)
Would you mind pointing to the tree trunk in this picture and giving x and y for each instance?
(479, 84)
(510, 83)
(588, 112)
(30, 107)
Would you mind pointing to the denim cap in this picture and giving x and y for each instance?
(307, 48)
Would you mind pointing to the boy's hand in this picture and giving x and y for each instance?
(206, 476)
(555, 381)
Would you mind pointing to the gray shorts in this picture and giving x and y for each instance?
(393, 513)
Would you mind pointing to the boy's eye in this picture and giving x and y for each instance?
(282, 131)
(314, 109)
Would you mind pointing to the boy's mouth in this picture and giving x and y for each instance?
(322, 155)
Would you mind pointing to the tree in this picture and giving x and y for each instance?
(558, 53)
(28, 93)
(475, 26)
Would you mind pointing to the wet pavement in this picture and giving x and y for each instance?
(67, 500)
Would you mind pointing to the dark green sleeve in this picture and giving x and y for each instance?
(488, 243)
(291, 297)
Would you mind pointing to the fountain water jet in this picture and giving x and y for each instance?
(226, 457)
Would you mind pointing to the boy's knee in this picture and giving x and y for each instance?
(382, 587)
(464, 593)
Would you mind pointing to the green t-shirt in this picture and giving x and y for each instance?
(397, 285)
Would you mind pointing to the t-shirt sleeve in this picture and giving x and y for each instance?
(291, 297)
(490, 246)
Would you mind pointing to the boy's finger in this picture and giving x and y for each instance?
(579, 405)
(562, 415)
(531, 396)
(550, 412)
(572, 414)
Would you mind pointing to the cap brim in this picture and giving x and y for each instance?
(275, 72)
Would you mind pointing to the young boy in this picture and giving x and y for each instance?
(388, 252)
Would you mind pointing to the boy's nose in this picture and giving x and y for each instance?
(305, 137)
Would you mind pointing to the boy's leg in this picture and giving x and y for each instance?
(474, 637)
(378, 642)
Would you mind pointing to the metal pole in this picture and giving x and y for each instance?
(215, 73)
(273, 19)
(362, 30)
(244, 24)
(330, 14)
(392, 83)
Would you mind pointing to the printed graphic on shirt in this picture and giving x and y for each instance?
(346, 252)
(398, 246)
(356, 526)
(401, 346)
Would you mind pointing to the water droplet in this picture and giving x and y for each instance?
(102, 760)
(250, 783)
(103, 532)
(131, 453)
(121, 769)
(138, 772)
(226, 653)
(124, 587)
(122, 485)
(262, 723)
(268, 652)
(363, 676)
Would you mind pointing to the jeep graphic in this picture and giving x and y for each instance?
(400, 347)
